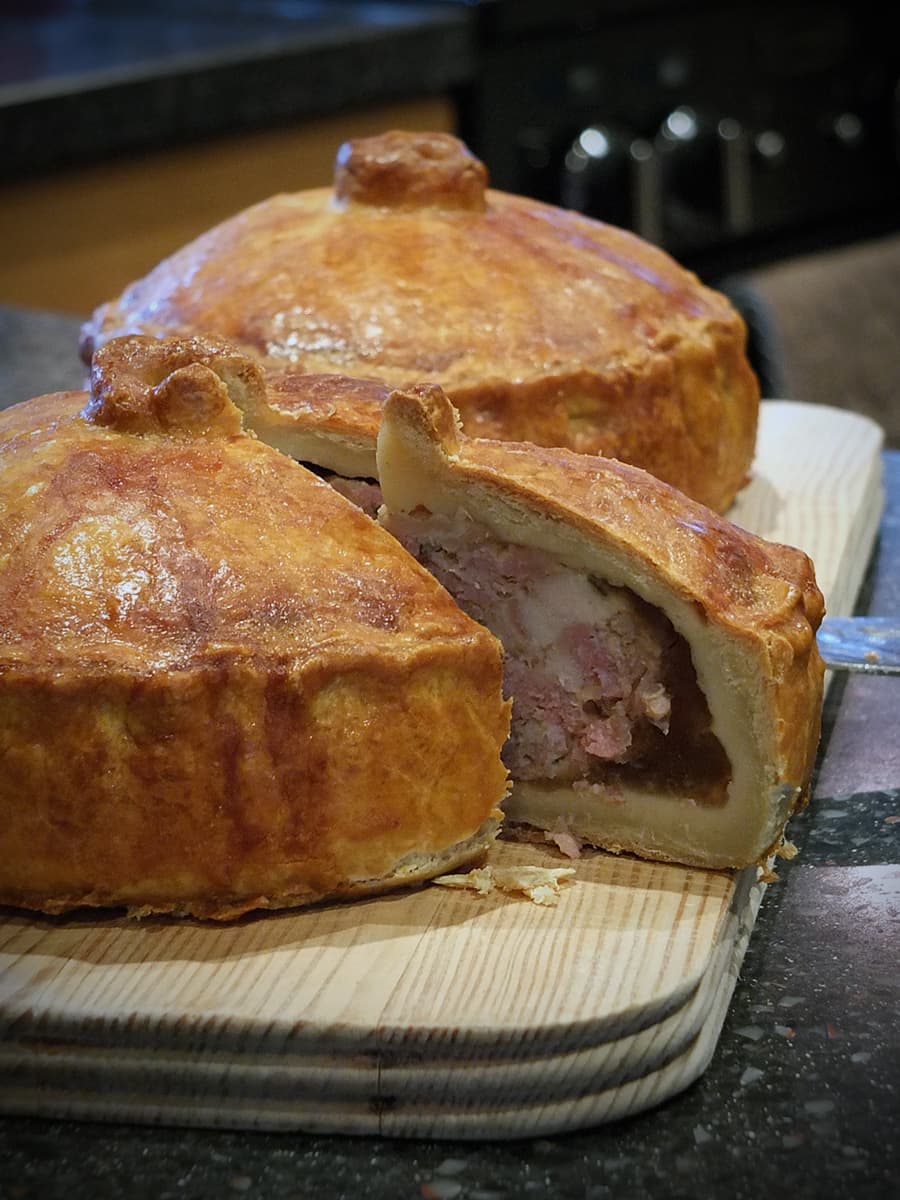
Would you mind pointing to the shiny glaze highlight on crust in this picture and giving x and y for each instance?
(541, 324)
(158, 552)
(222, 686)
(524, 291)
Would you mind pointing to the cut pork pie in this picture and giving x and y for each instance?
(222, 686)
(662, 663)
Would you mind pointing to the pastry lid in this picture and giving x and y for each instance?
(143, 529)
(540, 324)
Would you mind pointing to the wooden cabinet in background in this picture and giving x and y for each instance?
(74, 239)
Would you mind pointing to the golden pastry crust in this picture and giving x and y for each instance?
(540, 324)
(748, 610)
(222, 687)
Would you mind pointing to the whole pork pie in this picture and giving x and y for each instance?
(540, 324)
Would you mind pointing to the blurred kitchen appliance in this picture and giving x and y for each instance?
(729, 133)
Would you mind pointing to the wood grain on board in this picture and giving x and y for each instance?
(433, 1013)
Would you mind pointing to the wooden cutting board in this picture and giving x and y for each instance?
(436, 1013)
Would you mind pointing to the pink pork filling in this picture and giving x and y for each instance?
(364, 493)
(583, 660)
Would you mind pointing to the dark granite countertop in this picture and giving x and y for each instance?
(82, 80)
(801, 1096)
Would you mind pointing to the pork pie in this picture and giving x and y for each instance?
(662, 662)
(222, 687)
(541, 325)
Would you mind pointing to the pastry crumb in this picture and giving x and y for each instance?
(539, 884)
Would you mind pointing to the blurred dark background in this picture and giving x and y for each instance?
(728, 132)
(759, 143)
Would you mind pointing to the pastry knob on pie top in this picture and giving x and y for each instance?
(173, 387)
(403, 170)
(222, 686)
(542, 325)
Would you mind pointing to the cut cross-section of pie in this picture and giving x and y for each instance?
(662, 662)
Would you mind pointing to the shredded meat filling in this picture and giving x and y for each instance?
(598, 677)
(582, 662)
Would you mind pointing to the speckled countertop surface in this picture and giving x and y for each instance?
(86, 79)
(802, 1098)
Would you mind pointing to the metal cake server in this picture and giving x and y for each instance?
(868, 644)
